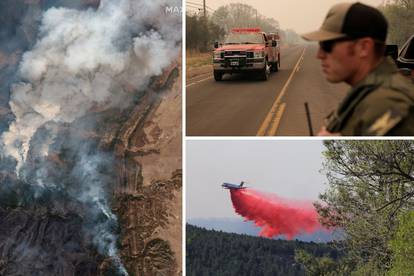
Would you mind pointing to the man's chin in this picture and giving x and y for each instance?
(332, 79)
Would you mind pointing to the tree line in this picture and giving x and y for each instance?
(210, 252)
(400, 16)
(371, 198)
(202, 31)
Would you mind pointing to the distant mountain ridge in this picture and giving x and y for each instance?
(238, 226)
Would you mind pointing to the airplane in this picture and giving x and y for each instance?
(233, 186)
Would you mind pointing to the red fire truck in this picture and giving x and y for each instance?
(247, 50)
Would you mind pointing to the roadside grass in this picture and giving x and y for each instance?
(197, 59)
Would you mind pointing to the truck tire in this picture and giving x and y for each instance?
(265, 73)
(274, 67)
(218, 76)
(277, 64)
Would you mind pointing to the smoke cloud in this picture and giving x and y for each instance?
(79, 62)
(274, 215)
(72, 81)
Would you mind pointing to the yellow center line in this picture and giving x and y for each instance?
(273, 117)
(276, 121)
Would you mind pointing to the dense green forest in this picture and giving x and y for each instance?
(218, 253)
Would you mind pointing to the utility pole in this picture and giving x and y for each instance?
(204, 8)
(256, 17)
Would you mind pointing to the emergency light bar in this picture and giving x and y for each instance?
(246, 30)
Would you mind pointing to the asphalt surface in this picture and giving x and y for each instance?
(243, 105)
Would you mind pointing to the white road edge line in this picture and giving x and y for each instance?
(197, 76)
(198, 81)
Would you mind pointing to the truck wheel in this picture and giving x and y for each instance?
(277, 64)
(274, 67)
(265, 73)
(218, 76)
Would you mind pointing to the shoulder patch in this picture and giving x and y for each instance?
(385, 123)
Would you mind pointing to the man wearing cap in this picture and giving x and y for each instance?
(352, 46)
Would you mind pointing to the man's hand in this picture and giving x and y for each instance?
(324, 132)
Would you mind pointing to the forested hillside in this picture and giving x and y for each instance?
(218, 253)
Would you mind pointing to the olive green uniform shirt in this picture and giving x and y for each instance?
(381, 104)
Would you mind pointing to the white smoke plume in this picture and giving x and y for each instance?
(80, 59)
(79, 64)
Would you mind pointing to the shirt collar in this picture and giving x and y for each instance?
(385, 68)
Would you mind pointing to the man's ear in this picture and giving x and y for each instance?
(365, 46)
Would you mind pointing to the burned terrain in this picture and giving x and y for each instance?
(96, 188)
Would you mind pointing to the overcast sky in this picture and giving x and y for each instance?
(289, 169)
(300, 15)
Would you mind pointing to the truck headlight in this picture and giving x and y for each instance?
(258, 54)
(217, 55)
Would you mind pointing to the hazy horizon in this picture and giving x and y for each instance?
(299, 15)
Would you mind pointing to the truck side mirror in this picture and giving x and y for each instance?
(274, 43)
(405, 71)
(392, 51)
(216, 44)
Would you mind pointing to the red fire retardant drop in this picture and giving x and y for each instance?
(275, 216)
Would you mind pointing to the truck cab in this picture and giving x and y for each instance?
(246, 50)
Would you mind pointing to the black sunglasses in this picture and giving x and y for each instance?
(327, 45)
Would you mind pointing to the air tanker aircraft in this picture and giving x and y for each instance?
(233, 186)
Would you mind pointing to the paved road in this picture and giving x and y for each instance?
(242, 105)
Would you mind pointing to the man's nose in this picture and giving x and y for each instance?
(320, 54)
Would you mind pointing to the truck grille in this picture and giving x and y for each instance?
(238, 59)
(235, 62)
(235, 53)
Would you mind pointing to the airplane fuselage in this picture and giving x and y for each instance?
(233, 186)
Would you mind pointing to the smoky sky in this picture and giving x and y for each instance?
(289, 169)
(299, 15)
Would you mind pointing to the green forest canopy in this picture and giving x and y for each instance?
(371, 191)
(210, 252)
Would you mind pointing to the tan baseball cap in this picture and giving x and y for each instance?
(354, 20)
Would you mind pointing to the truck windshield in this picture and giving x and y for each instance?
(244, 38)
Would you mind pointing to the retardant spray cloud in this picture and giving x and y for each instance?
(275, 215)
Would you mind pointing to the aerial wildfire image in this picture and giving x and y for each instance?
(90, 137)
